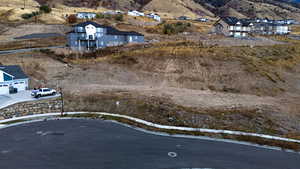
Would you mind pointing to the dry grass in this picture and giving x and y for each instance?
(295, 30)
(226, 69)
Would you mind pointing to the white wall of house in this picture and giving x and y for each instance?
(4, 89)
(1, 76)
(20, 84)
(85, 15)
(90, 31)
(282, 29)
(135, 13)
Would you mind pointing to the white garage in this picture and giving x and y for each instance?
(4, 89)
(12, 79)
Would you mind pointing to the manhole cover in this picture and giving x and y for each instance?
(172, 154)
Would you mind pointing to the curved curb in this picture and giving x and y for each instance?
(150, 124)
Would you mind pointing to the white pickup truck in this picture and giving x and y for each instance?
(43, 92)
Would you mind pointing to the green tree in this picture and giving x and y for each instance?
(45, 8)
(119, 17)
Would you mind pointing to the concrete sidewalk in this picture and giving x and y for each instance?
(22, 96)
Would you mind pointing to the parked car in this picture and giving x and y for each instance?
(43, 92)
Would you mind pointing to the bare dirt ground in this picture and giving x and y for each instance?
(83, 81)
(21, 30)
(199, 86)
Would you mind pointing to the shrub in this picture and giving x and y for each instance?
(168, 29)
(29, 15)
(119, 17)
(72, 19)
(45, 8)
(175, 28)
(100, 16)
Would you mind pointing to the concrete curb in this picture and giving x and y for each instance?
(150, 124)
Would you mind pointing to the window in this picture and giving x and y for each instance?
(99, 29)
(136, 37)
(116, 37)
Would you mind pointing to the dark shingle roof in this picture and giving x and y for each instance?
(113, 31)
(14, 70)
(234, 21)
(83, 24)
(110, 30)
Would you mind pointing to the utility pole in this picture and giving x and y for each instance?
(24, 4)
(62, 101)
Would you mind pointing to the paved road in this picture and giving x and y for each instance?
(4, 52)
(95, 144)
(22, 96)
(40, 35)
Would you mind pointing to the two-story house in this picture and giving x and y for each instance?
(231, 26)
(90, 35)
(154, 16)
(135, 13)
(12, 78)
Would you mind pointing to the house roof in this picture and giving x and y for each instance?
(86, 12)
(83, 24)
(234, 21)
(113, 31)
(14, 70)
(110, 30)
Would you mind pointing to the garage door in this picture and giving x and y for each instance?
(4, 89)
(20, 86)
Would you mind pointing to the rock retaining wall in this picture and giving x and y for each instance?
(30, 108)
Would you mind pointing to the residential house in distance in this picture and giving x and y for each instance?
(90, 35)
(154, 16)
(231, 26)
(12, 79)
(86, 15)
(183, 18)
(201, 19)
(135, 13)
(116, 12)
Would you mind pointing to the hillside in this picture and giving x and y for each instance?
(274, 9)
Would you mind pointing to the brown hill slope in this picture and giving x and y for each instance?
(273, 9)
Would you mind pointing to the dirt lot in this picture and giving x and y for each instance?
(174, 81)
(172, 90)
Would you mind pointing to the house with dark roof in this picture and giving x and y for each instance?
(91, 35)
(231, 26)
(12, 78)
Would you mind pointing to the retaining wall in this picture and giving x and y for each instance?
(30, 108)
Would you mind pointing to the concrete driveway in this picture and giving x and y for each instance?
(22, 96)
